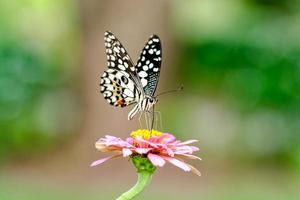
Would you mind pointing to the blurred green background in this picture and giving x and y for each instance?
(237, 59)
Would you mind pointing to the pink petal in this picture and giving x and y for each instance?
(100, 146)
(143, 143)
(143, 150)
(110, 137)
(111, 140)
(98, 162)
(187, 142)
(189, 156)
(156, 160)
(177, 163)
(167, 150)
(126, 152)
(194, 170)
(167, 138)
(124, 144)
(183, 150)
(130, 140)
(194, 148)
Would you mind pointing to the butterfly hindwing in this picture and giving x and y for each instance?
(117, 88)
(148, 65)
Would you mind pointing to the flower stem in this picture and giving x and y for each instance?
(144, 178)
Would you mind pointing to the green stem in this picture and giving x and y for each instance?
(144, 178)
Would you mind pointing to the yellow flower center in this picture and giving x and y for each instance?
(145, 134)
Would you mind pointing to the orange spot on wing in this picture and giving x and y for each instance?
(121, 102)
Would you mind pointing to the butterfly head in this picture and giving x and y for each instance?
(152, 100)
(147, 103)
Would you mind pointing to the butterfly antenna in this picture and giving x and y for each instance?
(171, 91)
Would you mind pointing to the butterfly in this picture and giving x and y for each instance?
(125, 83)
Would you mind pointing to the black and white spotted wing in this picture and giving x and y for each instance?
(118, 88)
(116, 54)
(124, 83)
(148, 65)
(118, 84)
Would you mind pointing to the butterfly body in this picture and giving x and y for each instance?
(144, 105)
(124, 83)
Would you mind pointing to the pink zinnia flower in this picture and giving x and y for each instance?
(158, 147)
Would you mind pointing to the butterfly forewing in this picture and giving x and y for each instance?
(118, 84)
(148, 65)
(117, 57)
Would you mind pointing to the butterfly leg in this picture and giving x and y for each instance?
(153, 119)
(158, 120)
(147, 119)
(143, 119)
(140, 119)
(150, 116)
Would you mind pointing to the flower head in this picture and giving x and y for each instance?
(154, 145)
